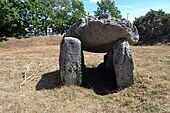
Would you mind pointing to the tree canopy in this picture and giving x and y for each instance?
(107, 6)
(154, 26)
(38, 17)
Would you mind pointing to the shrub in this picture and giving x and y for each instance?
(154, 27)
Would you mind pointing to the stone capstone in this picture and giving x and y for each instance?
(70, 61)
(119, 62)
(98, 34)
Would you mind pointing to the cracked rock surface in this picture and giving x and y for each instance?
(119, 63)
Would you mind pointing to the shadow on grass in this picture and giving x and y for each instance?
(94, 78)
(49, 80)
(99, 80)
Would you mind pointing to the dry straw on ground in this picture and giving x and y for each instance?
(29, 79)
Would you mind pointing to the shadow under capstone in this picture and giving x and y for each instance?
(94, 78)
(99, 80)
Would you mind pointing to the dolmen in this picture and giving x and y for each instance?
(102, 34)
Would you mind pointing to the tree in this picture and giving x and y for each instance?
(107, 6)
(8, 18)
(35, 17)
(23, 9)
(66, 12)
(78, 11)
(154, 27)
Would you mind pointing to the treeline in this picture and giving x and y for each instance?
(41, 17)
(154, 27)
(38, 17)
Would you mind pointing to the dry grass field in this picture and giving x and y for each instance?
(30, 81)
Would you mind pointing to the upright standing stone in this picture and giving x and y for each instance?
(70, 61)
(123, 63)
